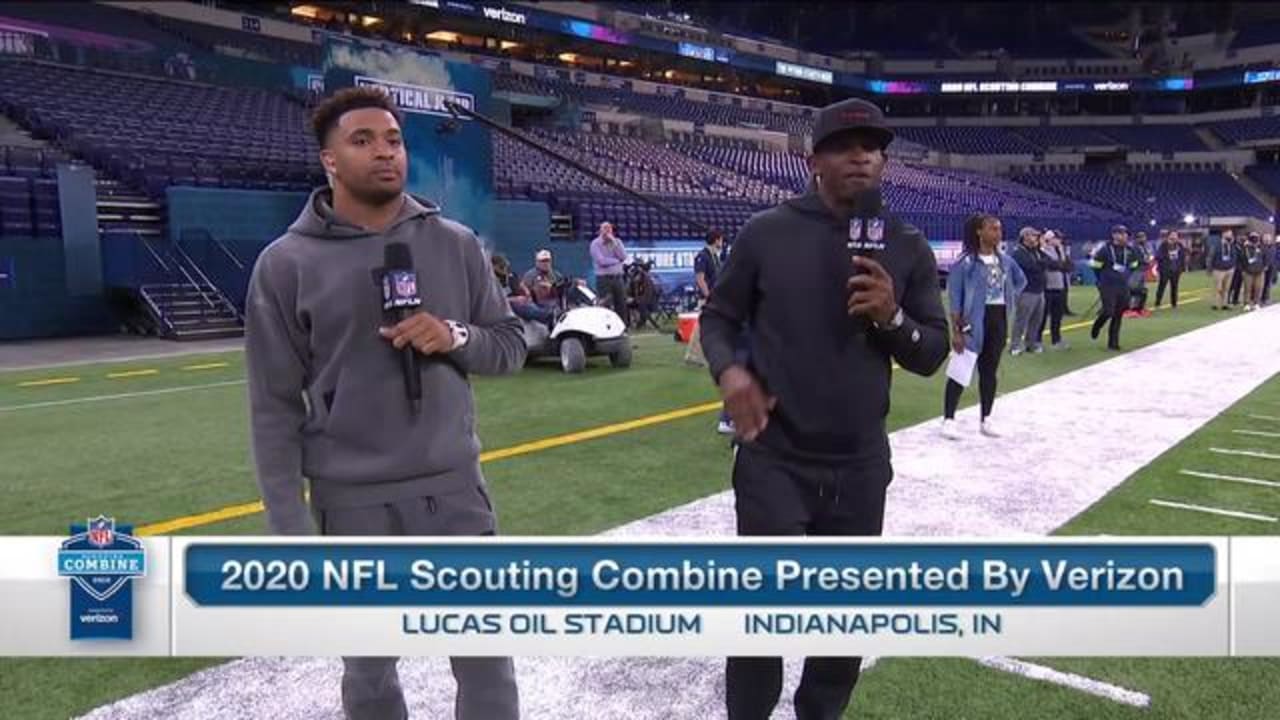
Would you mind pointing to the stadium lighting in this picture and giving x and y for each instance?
(443, 36)
(1188, 218)
(1152, 222)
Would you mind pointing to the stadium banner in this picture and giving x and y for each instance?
(672, 260)
(224, 596)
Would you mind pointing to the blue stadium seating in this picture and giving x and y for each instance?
(1268, 176)
(1163, 196)
(157, 133)
(1239, 131)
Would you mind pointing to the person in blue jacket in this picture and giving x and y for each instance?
(983, 286)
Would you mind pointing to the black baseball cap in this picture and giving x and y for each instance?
(1119, 229)
(851, 114)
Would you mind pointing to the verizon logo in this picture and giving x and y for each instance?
(504, 15)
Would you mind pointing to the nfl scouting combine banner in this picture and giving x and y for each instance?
(449, 160)
(220, 596)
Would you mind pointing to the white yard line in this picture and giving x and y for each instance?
(1230, 478)
(1239, 514)
(117, 396)
(1257, 433)
(1245, 453)
(1101, 689)
(1269, 418)
(1058, 459)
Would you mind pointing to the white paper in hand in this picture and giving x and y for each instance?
(960, 368)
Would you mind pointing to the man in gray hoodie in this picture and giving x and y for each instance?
(326, 387)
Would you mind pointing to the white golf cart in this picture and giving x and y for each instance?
(582, 329)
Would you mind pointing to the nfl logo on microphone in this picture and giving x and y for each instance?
(101, 559)
(400, 290)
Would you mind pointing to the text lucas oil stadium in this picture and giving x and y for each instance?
(680, 623)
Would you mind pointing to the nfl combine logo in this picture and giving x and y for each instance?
(101, 559)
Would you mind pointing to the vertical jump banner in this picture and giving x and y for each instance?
(450, 160)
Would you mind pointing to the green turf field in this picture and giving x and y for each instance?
(78, 448)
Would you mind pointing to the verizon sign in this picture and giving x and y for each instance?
(504, 15)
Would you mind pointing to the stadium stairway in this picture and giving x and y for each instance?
(121, 207)
(194, 311)
(187, 305)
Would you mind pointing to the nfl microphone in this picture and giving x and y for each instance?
(866, 234)
(399, 301)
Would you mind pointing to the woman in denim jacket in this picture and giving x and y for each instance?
(983, 285)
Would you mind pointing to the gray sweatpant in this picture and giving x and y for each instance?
(370, 685)
(1026, 321)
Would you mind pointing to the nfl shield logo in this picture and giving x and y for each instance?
(855, 228)
(875, 230)
(406, 285)
(102, 531)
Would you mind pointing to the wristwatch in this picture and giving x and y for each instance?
(894, 323)
(460, 334)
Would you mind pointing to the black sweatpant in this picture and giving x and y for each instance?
(776, 495)
(1172, 282)
(1267, 281)
(1237, 282)
(994, 328)
(1115, 300)
(614, 289)
(1055, 306)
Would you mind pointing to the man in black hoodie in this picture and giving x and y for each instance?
(834, 288)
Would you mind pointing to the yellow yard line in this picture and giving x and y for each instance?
(132, 374)
(1193, 297)
(49, 381)
(234, 512)
(207, 366)
(208, 518)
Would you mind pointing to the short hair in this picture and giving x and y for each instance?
(713, 236)
(326, 115)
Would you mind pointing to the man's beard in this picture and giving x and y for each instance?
(376, 196)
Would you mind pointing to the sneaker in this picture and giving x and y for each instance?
(1036, 349)
(950, 430)
(1015, 352)
(990, 430)
(1093, 332)
(725, 427)
(1060, 345)
(1114, 347)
